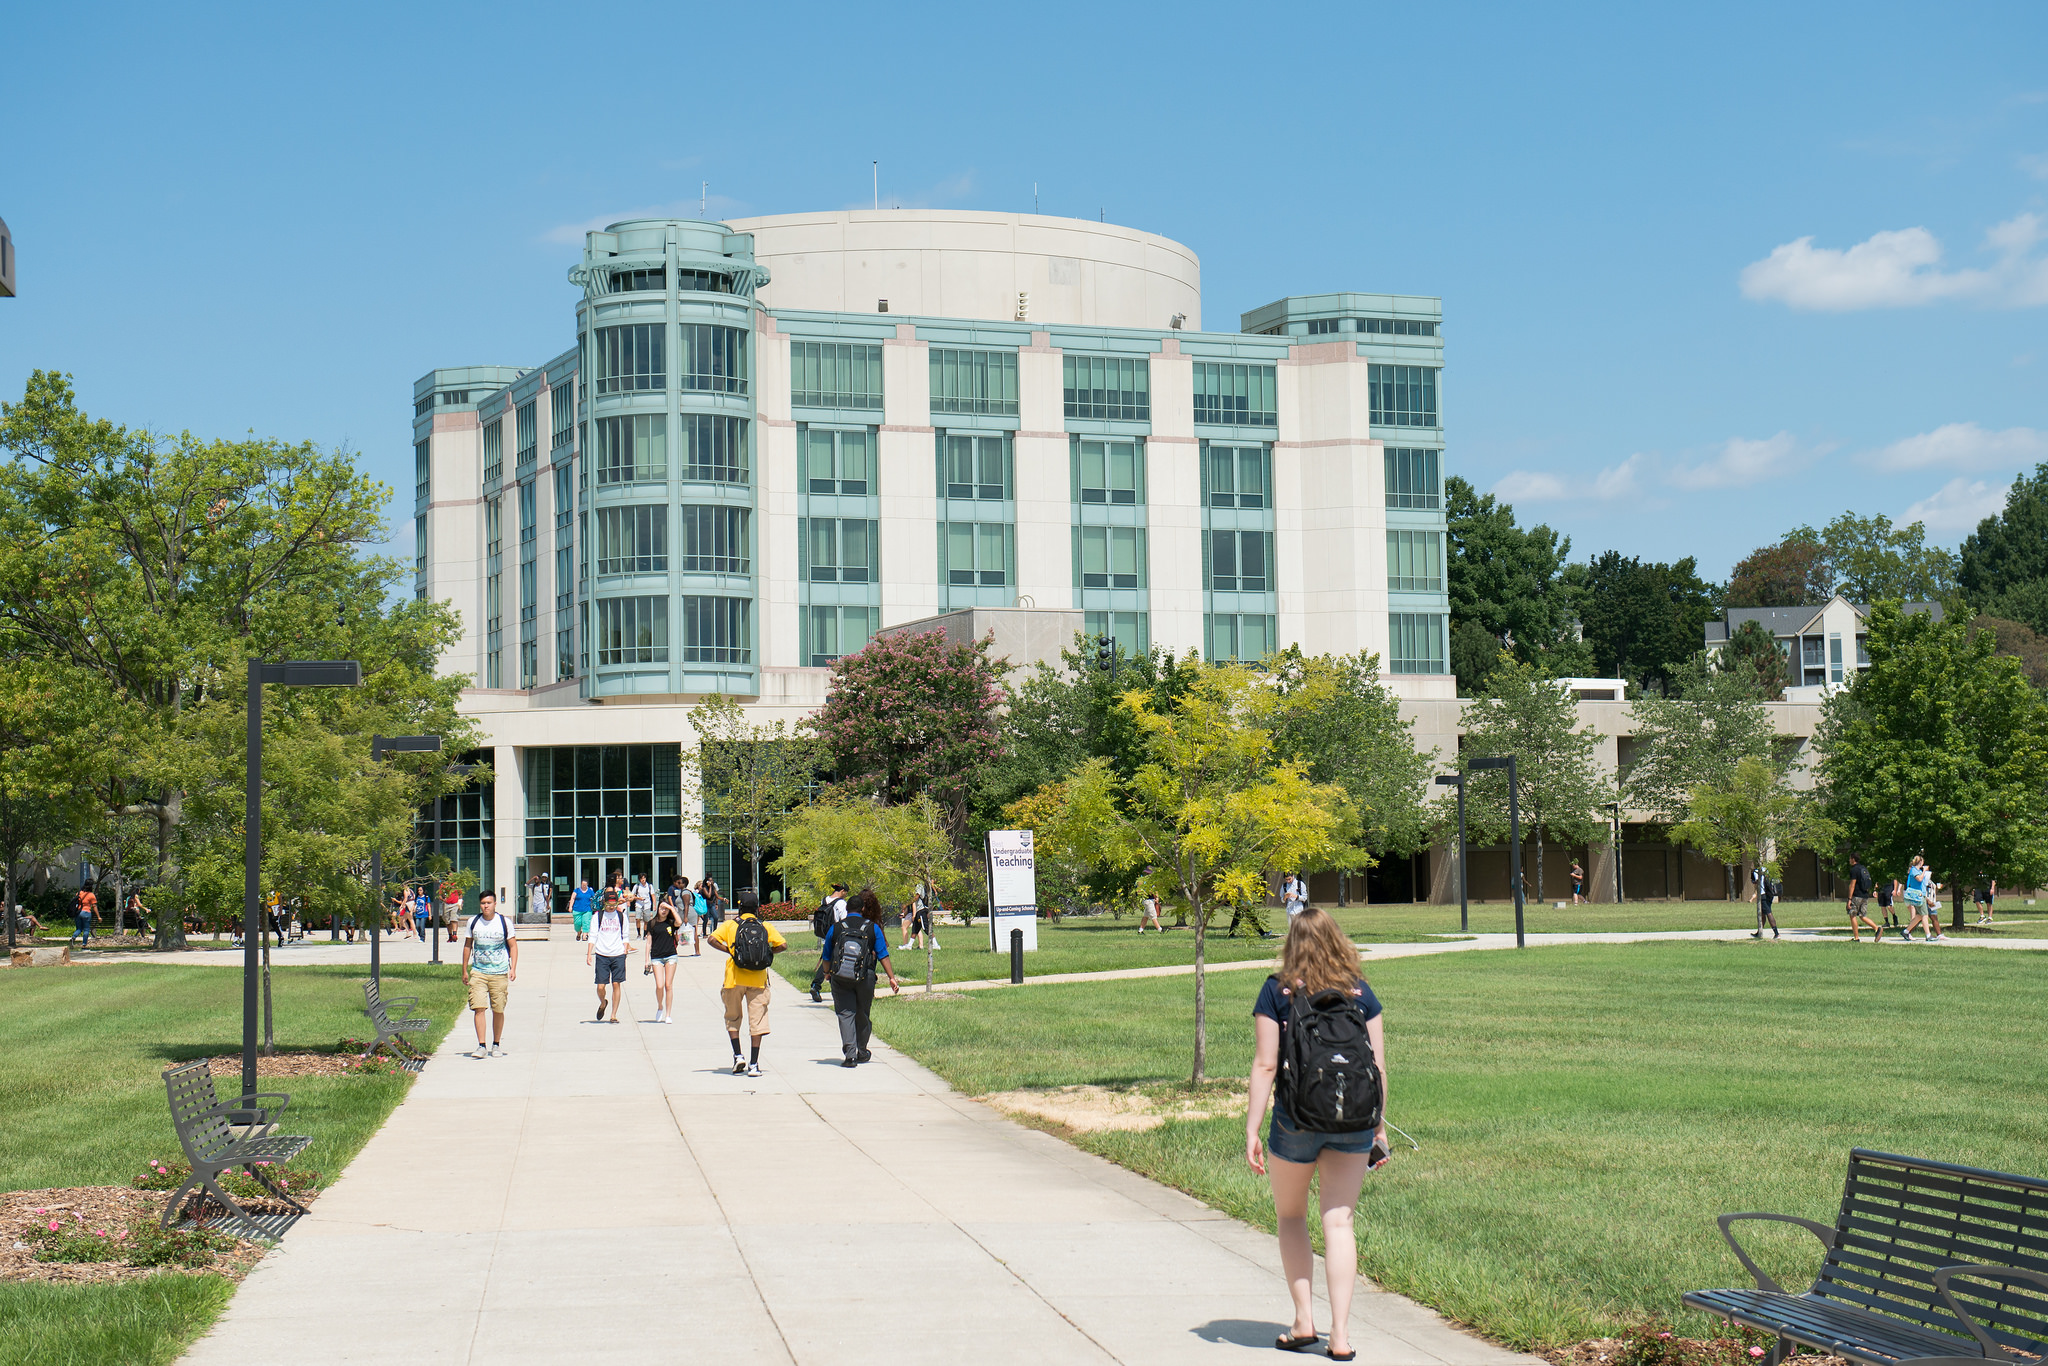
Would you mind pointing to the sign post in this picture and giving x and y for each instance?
(1012, 889)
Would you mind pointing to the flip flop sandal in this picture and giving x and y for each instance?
(1300, 1344)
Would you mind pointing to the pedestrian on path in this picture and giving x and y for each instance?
(643, 903)
(710, 910)
(749, 945)
(1987, 893)
(84, 907)
(451, 909)
(1859, 901)
(423, 916)
(1578, 884)
(918, 923)
(1294, 895)
(699, 917)
(662, 933)
(1887, 902)
(852, 948)
(1148, 910)
(490, 964)
(829, 913)
(607, 948)
(1317, 987)
(579, 908)
(1765, 896)
(1919, 885)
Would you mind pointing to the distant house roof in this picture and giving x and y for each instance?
(1792, 621)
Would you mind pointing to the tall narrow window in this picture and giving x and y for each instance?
(529, 511)
(835, 375)
(1412, 477)
(419, 545)
(1237, 476)
(494, 452)
(632, 449)
(562, 402)
(715, 449)
(837, 462)
(632, 540)
(715, 540)
(1112, 556)
(1417, 642)
(831, 633)
(976, 466)
(982, 382)
(422, 471)
(838, 549)
(979, 554)
(565, 579)
(1241, 561)
(565, 653)
(1415, 562)
(565, 492)
(1108, 387)
(1240, 635)
(714, 359)
(1238, 395)
(1403, 395)
(628, 359)
(717, 630)
(494, 526)
(529, 431)
(632, 631)
(1109, 471)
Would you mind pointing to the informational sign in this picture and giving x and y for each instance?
(1012, 888)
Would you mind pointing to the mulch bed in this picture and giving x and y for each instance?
(303, 1064)
(107, 1207)
(1609, 1351)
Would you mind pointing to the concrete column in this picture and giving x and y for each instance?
(508, 814)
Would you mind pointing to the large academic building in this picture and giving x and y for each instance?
(767, 440)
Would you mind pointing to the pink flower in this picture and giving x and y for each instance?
(1756, 1351)
(99, 1233)
(53, 1226)
(1663, 1335)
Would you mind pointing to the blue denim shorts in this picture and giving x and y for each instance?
(1290, 1144)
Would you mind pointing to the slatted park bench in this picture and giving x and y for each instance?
(387, 1016)
(214, 1141)
(1927, 1263)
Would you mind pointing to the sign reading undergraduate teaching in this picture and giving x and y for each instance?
(1012, 888)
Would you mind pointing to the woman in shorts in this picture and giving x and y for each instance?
(1919, 878)
(1317, 957)
(663, 930)
(1148, 913)
(1578, 884)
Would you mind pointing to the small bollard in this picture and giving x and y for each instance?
(1016, 958)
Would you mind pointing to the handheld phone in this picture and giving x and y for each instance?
(1377, 1158)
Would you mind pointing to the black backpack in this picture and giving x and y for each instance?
(751, 951)
(853, 952)
(1328, 1079)
(821, 919)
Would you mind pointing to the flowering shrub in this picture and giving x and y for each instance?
(142, 1243)
(1654, 1344)
(168, 1176)
(784, 910)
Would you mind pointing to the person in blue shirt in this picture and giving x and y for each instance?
(422, 914)
(1317, 957)
(1920, 897)
(853, 999)
(700, 918)
(579, 908)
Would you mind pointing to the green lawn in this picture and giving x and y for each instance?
(84, 1105)
(1583, 1111)
(2016, 920)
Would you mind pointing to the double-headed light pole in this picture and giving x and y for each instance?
(1507, 761)
(1457, 780)
(296, 673)
(381, 745)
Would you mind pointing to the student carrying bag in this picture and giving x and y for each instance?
(751, 951)
(1328, 1079)
(853, 953)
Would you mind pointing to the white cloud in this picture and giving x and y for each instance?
(1956, 506)
(1541, 486)
(1964, 446)
(1901, 269)
(1741, 462)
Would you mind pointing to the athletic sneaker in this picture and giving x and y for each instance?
(498, 1051)
(753, 1069)
(739, 1065)
(478, 1052)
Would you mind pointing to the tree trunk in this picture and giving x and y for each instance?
(1201, 994)
(170, 923)
(7, 904)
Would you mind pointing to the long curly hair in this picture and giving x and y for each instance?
(1318, 956)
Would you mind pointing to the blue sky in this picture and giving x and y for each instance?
(1706, 274)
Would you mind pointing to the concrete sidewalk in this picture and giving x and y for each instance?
(613, 1192)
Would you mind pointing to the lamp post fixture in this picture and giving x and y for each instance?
(1457, 780)
(1615, 807)
(297, 673)
(1507, 761)
(381, 745)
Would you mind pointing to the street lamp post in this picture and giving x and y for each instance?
(381, 745)
(1457, 780)
(1507, 761)
(298, 673)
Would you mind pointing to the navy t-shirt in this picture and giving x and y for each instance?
(1273, 1002)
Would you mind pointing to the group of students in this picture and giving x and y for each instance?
(1920, 894)
(697, 908)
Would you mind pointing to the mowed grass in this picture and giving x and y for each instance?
(82, 1103)
(1584, 1112)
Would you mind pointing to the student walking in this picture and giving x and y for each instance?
(1765, 896)
(1148, 910)
(1887, 899)
(699, 917)
(662, 933)
(83, 908)
(1919, 879)
(709, 907)
(1294, 895)
(852, 948)
(643, 903)
(749, 945)
(423, 915)
(1987, 893)
(1578, 884)
(490, 964)
(607, 949)
(580, 907)
(829, 913)
(1316, 1021)
(1859, 901)
(918, 924)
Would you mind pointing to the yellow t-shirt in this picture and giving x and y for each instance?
(735, 975)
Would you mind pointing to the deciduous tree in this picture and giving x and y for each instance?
(1752, 812)
(1693, 739)
(1641, 618)
(1508, 580)
(746, 776)
(1561, 788)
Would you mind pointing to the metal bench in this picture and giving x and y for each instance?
(212, 1145)
(386, 1014)
(1927, 1263)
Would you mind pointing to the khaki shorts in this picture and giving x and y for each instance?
(756, 999)
(487, 991)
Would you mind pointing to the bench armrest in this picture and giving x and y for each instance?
(1824, 1232)
(1993, 1349)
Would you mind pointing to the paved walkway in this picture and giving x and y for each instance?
(612, 1192)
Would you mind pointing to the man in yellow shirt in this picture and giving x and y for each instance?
(749, 945)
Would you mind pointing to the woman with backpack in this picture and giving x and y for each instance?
(853, 946)
(1321, 1059)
